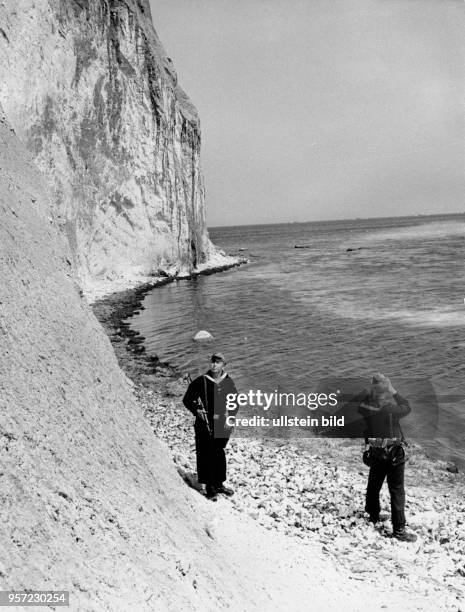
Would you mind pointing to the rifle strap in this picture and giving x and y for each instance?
(205, 391)
(402, 437)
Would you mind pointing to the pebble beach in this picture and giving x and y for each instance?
(313, 489)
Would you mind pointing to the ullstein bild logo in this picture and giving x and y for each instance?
(284, 421)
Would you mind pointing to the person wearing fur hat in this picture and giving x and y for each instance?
(206, 399)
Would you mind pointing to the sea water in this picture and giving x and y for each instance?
(359, 296)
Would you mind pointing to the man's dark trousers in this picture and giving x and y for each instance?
(211, 458)
(383, 466)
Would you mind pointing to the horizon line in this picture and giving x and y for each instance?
(414, 216)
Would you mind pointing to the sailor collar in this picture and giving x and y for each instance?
(217, 380)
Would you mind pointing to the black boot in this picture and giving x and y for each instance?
(378, 518)
(225, 490)
(404, 536)
(211, 492)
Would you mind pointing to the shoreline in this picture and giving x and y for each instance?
(311, 490)
(100, 290)
(113, 309)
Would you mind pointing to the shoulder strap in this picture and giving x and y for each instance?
(205, 391)
(366, 396)
(402, 437)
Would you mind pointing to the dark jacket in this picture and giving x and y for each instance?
(383, 423)
(212, 396)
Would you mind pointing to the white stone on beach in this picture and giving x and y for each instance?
(202, 335)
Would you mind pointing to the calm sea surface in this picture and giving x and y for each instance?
(294, 316)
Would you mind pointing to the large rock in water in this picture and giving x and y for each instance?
(88, 87)
(202, 335)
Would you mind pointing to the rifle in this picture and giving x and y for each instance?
(201, 407)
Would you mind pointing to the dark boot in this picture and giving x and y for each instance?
(225, 490)
(404, 536)
(211, 492)
(376, 518)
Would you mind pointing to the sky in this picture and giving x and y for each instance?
(323, 109)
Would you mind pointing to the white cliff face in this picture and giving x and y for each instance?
(87, 86)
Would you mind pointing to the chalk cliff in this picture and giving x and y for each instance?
(87, 86)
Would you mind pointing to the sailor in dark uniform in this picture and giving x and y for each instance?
(206, 398)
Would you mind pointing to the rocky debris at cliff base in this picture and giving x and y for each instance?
(313, 490)
(102, 288)
(222, 264)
